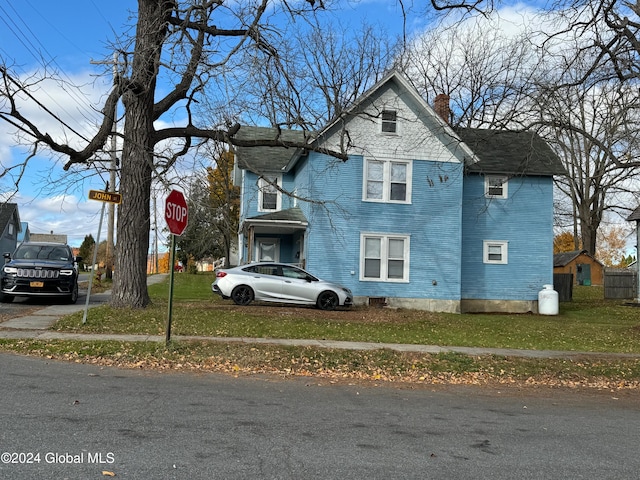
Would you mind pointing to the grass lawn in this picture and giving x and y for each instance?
(588, 323)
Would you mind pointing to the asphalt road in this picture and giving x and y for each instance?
(73, 421)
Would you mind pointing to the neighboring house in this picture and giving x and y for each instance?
(25, 233)
(49, 237)
(10, 227)
(419, 216)
(585, 268)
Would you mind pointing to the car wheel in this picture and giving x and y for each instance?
(6, 298)
(242, 295)
(73, 298)
(327, 301)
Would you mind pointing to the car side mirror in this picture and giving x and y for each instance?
(77, 259)
(7, 257)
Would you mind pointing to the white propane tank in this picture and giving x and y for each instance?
(548, 301)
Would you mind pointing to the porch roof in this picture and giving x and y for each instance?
(284, 221)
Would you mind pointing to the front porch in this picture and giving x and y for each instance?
(274, 237)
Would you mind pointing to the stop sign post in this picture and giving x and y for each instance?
(176, 214)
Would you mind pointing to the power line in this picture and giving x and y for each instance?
(39, 52)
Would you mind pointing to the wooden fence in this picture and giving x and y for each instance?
(620, 284)
(563, 284)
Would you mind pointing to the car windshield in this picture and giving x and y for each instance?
(41, 252)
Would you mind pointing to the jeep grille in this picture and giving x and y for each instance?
(33, 273)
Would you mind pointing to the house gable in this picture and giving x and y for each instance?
(420, 132)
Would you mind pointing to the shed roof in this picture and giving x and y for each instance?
(564, 258)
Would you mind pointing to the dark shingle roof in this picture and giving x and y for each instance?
(260, 159)
(510, 152)
(564, 258)
(7, 210)
(290, 215)
(635, 215)
(499, 151)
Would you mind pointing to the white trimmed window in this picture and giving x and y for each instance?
(384, 257)
(270, 198)
(389, 121)
(387, 181)
(495, 251)
(495, 186)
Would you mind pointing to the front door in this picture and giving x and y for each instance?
(267, 250)
(584, 274)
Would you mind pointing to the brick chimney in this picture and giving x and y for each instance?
(441, 106)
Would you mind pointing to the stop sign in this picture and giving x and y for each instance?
(176, 212)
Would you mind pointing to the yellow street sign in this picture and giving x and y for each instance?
(105, 196)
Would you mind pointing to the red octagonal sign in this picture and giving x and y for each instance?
(176, 212)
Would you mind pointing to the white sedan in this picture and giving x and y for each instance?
(278, 282)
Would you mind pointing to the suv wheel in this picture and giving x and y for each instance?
(4, 298)
(73, 298)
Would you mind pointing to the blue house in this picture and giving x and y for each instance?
(420, 215)
(10, 227)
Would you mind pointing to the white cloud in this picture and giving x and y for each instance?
(68, 215)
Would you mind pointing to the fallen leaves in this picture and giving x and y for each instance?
(378, 366)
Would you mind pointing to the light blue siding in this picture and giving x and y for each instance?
(525, 220)
(251, 194)
(432, 221)
(447, 221)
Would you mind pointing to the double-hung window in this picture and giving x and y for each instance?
(389, 121)
(496, 251)
(495, 186)
(270, 198)
(387, 181)
(384, 257)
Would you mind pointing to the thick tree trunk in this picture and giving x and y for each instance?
(130, 276)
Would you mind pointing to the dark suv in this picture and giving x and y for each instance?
(40, 269)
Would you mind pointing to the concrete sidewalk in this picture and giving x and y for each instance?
(36, 326)
(47, 316)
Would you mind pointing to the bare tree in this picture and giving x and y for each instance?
(330, 71)
(499, 81)
(178, 43)
(486, 73)
(596, 183)
(224, 198)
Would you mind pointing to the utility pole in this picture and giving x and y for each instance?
(155, 223)
(112, 173)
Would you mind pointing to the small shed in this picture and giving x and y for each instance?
(585, 268)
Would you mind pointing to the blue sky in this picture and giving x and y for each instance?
(68, 37)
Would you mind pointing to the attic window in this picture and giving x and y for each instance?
(495, 186)
(389, 121)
